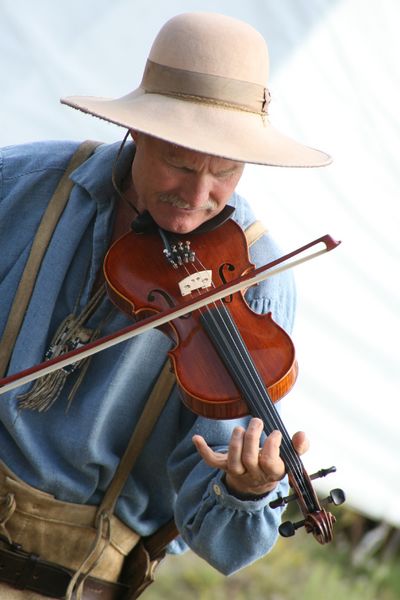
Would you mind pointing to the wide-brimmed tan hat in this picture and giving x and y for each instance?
(204, 88)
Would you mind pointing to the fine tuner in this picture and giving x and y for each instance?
(336, 497)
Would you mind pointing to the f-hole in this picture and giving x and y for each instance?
(223, 268)
(151, 297)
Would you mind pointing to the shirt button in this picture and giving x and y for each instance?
(217, 489)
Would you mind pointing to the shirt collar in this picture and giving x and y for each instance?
(95, 174)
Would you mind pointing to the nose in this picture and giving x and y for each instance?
(196, 191)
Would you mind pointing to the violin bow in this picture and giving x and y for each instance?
(288, 261)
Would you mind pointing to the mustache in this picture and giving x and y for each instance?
(178, 202)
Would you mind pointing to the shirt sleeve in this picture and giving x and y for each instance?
(227, 532)
(276, 294)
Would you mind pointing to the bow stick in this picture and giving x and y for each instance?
(235, 285)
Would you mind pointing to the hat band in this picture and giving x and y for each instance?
(202, 87)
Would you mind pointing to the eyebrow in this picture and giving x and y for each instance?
(179, 162)
(231, 169)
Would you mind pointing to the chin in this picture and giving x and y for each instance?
(181, 229)
(179, 225)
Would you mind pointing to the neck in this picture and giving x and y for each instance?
(124, 215)
(125, 212)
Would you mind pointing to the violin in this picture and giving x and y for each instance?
(228, 360)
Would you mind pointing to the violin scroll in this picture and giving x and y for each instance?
(318, 521)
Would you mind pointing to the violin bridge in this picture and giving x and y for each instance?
(195, 281)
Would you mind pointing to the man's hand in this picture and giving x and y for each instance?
(250, 470)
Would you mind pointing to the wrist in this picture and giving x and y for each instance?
(251, 494)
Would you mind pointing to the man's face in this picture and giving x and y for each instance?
(181, 188)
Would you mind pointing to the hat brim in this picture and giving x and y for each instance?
(226, 132)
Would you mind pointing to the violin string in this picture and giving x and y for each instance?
(235, 344)
(230, 326)
(269, 414)
(255, 390)
(252, 388)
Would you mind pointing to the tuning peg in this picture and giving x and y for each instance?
(323, 473)
(281, 501)
(288, 528)
(336, 497)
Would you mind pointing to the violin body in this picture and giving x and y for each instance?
(146, 283)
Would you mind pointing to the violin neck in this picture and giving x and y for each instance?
(231, 348)
(224, 334)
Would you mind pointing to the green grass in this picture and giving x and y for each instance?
(297, 569)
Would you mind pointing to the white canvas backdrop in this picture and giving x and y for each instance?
(335, 85)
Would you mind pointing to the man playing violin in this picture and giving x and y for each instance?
(194, 121)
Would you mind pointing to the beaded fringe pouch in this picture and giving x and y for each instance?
(70, 335)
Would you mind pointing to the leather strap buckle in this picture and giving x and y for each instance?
(27, 572)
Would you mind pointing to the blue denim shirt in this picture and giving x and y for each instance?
(73, 454)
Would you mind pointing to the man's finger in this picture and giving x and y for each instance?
(216, 460)
(269, 457)
(235, 465)
(300, 442)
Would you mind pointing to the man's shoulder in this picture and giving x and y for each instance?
(243, 214)
(256, 230)
(25, 159)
